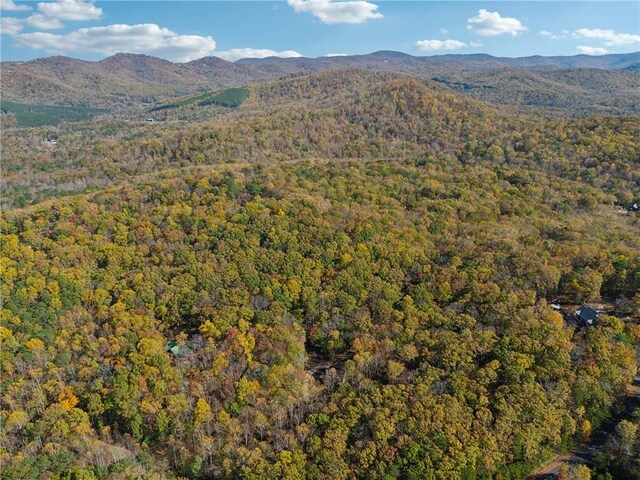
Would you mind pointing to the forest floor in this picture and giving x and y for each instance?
(587, 452)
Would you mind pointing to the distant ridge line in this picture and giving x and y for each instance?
(607, 61)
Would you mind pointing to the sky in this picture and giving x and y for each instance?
(181, 31)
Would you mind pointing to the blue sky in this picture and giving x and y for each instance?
(185, 30)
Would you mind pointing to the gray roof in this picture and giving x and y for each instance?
(587, 314)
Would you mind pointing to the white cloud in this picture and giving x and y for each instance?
(551, 35)
(491, 23)
(432, 45)
(50, 16)
(591, 50)
(336, 55)
(9, 5)
(237, 53)
(42, 22)
(10, 25)
(475, 44)
(444, 31)
(142, 38)
(332, 12)
(148, 38)
(609, 37)
(74, 10)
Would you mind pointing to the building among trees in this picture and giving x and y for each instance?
(586, 315)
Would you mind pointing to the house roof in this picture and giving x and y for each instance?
(172, 347)
(587, 314)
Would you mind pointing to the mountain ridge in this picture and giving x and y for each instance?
(130, 80)
(610, 60)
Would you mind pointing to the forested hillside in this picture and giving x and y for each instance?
(563, 86)
(558, 92)
(122, 80)
(328, 312)
(343, 275)
(328, 115)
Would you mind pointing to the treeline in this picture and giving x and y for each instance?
(335, 320)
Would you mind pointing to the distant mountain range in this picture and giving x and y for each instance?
(403, 62)
(607, 83)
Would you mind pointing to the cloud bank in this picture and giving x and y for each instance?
(237, 53)
(331, 12)
(49, 15)
(553, 36)
(73, 10)
(10, 6)
(434, 45)
(591, 50)
(609, 37)
(147, 38)
(488, 24)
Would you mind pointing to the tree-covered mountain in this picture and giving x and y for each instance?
(119, 80)
(405, 63)
(567, 92)
(345, 114)
(338, 275)
(127, 80)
